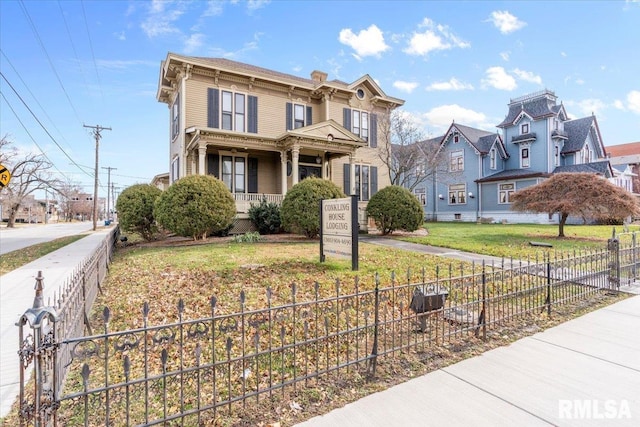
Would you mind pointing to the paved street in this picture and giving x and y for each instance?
(24, 235)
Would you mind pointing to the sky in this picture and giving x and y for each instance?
(70, 64)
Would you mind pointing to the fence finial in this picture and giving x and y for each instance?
(37, 301)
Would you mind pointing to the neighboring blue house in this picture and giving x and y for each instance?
(485, 169)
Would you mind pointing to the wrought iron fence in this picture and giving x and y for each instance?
(67, 318)
(189, 371)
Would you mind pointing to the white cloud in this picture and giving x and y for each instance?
(452, 84)
(505, 55)
(527, 76)
(633, 100)
(369, 42)
(257, 4)
(579, 81)
(160, 19)
(193, 43)
(407, 87)
(120, 36)
(563, 54)
(498, 78)
(116, 64)
(506, 22)
(441, 117)
(589, 106)
(619, 105)
(433, 38)
(214, 8)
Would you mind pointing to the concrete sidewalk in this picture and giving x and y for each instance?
(17, 294)
(585, 372)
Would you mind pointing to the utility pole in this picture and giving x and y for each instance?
(96, 134)
(109, 169)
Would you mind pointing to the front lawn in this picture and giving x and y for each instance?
(512, 240)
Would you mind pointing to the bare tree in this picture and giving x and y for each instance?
(582, 194)
(67, 195)
(410, 158)
(29, 173)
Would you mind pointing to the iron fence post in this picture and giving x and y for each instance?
(41, 348)
(373, 360)
(548, 301)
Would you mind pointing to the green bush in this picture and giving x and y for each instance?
(395, 208)
(196, 206)
(135, 210)
(265, 216)
(300, 209)
(250, 237)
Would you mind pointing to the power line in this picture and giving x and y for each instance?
(39, 122)
(44, 49)
(93, 56)
(33, 96)
(30, 136)
(73, 46)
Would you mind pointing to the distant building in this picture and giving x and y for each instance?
(625, 159)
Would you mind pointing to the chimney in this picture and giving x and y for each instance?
(318, 76)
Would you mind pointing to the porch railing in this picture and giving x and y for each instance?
(244, 200)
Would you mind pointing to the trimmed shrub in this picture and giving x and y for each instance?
(395, 208)
(196, 206)
(265, 216)
(300, 211)
(135, 210)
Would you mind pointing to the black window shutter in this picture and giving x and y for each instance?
(374, 179)
(213, 107)
(347, 179)
(213, 165)
(252, 114)
(346, 118)
(373, 130)
(253, 175)
(309, 118)
(288, 115)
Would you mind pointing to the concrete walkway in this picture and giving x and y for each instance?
(433, 250)
(585, 372)
(17, 294)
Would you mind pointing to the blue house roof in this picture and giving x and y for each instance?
(513, 174)
(602, 167)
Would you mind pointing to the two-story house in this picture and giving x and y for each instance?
(261, 131)
(625, 159)
(485, 169)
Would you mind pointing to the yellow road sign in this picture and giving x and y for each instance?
(5, 176)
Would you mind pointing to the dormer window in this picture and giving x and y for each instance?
(456, 137)
(524, 128)
(492, 158)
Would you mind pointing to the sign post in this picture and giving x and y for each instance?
(339, 229)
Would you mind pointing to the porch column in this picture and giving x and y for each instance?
(192, 162)
(283, 168)
(295, 153)
(352, 174)
(202, 154)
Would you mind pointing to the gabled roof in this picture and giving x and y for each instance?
(577, 132)
(429, 143)
(328, 130)
(601, 168)
(537, 105)
(480, 140)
